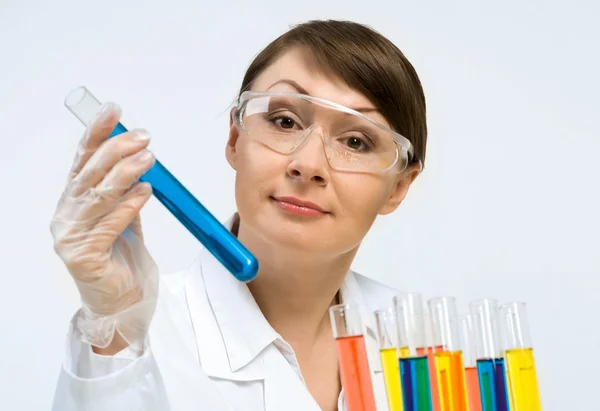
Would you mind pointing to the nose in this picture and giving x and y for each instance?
(308, 162)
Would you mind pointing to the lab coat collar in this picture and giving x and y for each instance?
(244, 330)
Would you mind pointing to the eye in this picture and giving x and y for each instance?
(284, 122)
(357, 143)
(354, 143)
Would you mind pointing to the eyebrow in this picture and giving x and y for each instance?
(302, 90)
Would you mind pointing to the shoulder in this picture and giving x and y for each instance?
(376, 294)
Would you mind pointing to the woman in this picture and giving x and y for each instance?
(329, 132)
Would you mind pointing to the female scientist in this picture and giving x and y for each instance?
(329, 132)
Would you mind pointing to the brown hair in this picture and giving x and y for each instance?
(368, 62)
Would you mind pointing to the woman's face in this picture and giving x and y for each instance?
(268, 183)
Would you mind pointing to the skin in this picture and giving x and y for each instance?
(303, 260)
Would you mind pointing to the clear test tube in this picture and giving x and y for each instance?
(414, 369)
(467, 337)
(217, 239)
(389, 345)
(352, 356)
(521, 372)
(490, 361)
(449, 362)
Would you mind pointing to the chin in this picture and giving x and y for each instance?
(291, 234)
(286, 232)
(296, 233)
(314, 239)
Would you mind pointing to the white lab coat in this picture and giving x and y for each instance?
(209, 347)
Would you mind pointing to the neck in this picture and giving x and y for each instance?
(294, 289)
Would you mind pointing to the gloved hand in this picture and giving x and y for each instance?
(97, 233)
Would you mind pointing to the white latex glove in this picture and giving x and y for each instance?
(97, 233)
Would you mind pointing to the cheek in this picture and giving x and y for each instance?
(361, 197)
(257, 170)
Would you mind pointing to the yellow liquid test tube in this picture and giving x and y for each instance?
(388, 351)
(521, 375)
(432, 348)
(449, 365)
(522, 379)
(391, 377)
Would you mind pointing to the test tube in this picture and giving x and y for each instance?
(432, 347)
(414, 369)
(352, 356)
(521, 374)
(490, 362)
(470, 359)
(178, 200)
(449, 362)
(389, 344)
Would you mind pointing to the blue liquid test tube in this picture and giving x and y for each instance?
(178, 200)
(490, 362)
(414, 364)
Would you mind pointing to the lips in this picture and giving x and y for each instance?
(299, 207)
(300, 203)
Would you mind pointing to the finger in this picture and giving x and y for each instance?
(96, 202)
(96, 133)
(126, 173)
(114, 224)
(136, 227)
(106, 157)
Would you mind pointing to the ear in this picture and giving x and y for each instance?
(402, 184)
(230, 148)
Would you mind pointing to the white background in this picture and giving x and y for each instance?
(507, 206)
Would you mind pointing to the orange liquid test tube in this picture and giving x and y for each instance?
(449, 363)
(467, 336)
(473, 388)
(355, 372)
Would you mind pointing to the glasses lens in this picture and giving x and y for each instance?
(352, 143)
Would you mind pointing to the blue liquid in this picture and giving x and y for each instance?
(416, 388)
(492, 385)
(198, 220)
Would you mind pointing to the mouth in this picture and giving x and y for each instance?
(297, 206)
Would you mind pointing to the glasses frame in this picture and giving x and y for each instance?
(402, 142)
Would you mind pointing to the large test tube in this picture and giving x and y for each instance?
(449, 362)
(467, 336)
(389, 345)
(178, 200)
(414, 369)
(490, 362)
(521, 374)
(352, 356)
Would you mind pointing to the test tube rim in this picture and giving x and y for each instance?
(384, 310)
(479, 301)
(341, 306)
(442, 298)
(512, 304)
(75, 101)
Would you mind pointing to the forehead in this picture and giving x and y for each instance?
(300, 65)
